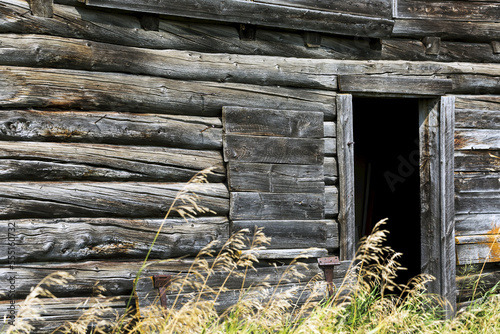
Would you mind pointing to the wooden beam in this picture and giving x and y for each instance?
(477, 139)
(394, 84)
(42, 8)
(482, 224)
(345, 149)
(478, 249)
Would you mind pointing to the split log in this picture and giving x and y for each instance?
(260, 14)
(394, 84)
(478, 119)
(477, 161)
(477, 202)
(33, 161)
(275, 178)
(477, 182)
(477, 139)
(98, 199)
(50, 88)
(477, 224)
(478, 249)
(49, 51)
(287, 234)
(482, 11)
(79, 239)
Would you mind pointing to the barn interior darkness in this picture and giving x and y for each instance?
(387, 182)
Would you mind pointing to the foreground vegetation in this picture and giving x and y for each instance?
(368, 300)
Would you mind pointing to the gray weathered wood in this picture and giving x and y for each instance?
(394, 84)
(479, 119)
(50, 51)
(477, 182)
(98, 199)
(330, 170)
(330, 129)
(477, 202)
(477, 161)
(478, 249)
(275, 178)
(446, 152)
(477, 139)
(42, 8)
(345, 149)
(270, 206)
(295, 253)
(430, 195)
(260, 14)
(477, 224)
(331, 201)
(77, 239)
(295, 233)
(284, 150)
(448, 10)
(32, 161)
(475, 285)
(330, 147)
(51, 88)
(191, 132)
(432, 45)
(271, 122)
(478, 102)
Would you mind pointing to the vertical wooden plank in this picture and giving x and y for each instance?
(345, 151)
(448, 265)
(430, 185)
(42, 8)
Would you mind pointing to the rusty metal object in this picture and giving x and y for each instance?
(162, 282)
(328, 264)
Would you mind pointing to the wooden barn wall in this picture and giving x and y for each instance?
(477, 186)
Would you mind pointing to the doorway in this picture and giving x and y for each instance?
(386, 175)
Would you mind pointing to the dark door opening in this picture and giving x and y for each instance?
(387, 185)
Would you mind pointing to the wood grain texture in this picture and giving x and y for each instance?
(477, 182)
(330, 170)
(482, 11)
(478, 119)
(193, 132)
(345, 149)
(35, 161)
(98, 199)
(477, 161)
(52, 88)
(478, 249)
(477, 202)
(275, 178)
(393, 84)
(252, 13)
(274, 150)
(57, 52)
(483, 224)
(42, 8)
(295, 233)
(331, 201)
(478, 102)
(477, 139)
(269, 206)
(80, 239)
(272, 122)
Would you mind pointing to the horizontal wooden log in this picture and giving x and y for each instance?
(275, 178)
(98, 199)
(471, 286)
(477, 139)
(477, 161)
(330, 147)
(51, 88)
(77, 239)
(32, 161)
(477, 224)
(330, 170)
(252, 13)
(50, 51)
(470, 203)
(477, 182)
(272, 122)
(448, 10)
(449, 30)
(393, 84)
(331, 201)
(272, 206)
(478, 119)
(478, 102)
(192, 132)
(477, 249)
(275, 150)
(295, 233)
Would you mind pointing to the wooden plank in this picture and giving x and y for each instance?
(272, 206)
(52, 88)
(42, 8)
(272, 122)
(98, 199)
(252, 13)
(193, 132)
(477, 139)
(447, 30)
(448, 10)
(478, 119)
(330, 170)
(275, 178)
(50, 51)
(394, 84)
(478, 249)
(295, 233)
(330, 149)
(477, 182)
(345, 149)
(477, 161)
(32, 161)
(275, 150)
(330, 129)
(446, 152)
(295, 253)
(471, 202)
(477, 224)
(478, 102)
(331, 201)
(80, 239)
